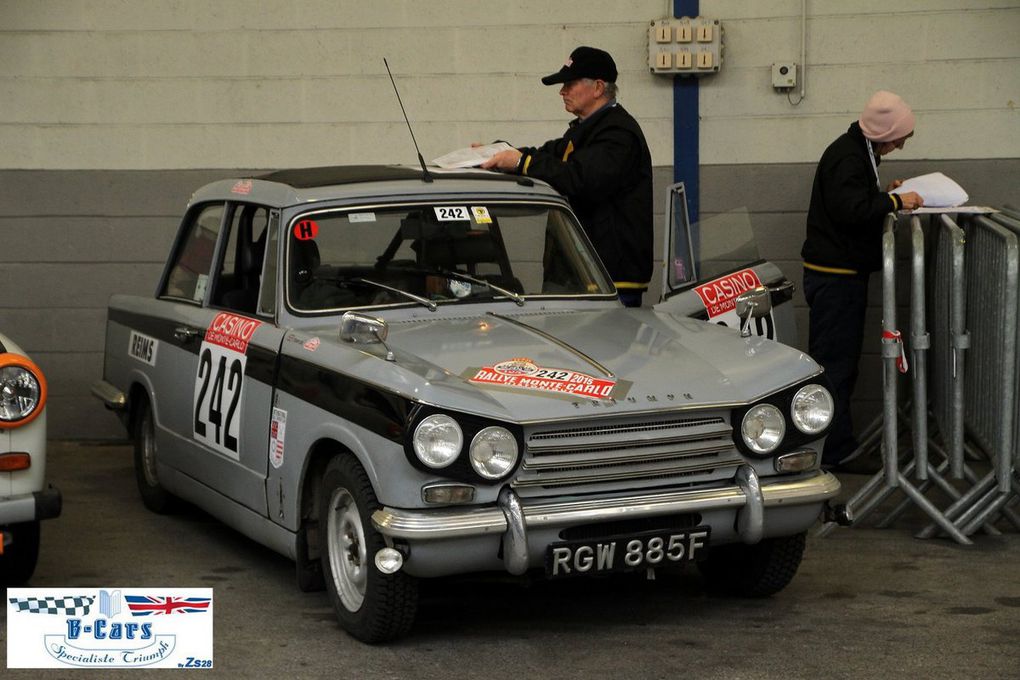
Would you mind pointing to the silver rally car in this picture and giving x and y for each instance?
(387, 377)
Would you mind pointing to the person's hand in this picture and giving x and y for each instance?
(911, 200)
(504, 160)
(895, 184)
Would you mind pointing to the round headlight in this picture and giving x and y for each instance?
(437, 440)
(493, 452)
(763, 428)
(812, 409)
(22, 392)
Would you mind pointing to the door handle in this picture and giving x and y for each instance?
(184, 333)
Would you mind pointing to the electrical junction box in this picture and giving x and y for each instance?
(685, 47)
(784, 75)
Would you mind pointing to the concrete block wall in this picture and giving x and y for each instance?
(113, 113)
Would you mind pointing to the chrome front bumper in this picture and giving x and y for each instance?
(512, 517)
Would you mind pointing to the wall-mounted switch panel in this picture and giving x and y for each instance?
(688, 46)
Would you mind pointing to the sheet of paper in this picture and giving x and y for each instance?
(937, 190)
(471, 156)
(958, 210)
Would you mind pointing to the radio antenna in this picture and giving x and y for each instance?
(425, 176)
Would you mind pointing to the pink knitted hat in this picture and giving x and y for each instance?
(886, 118)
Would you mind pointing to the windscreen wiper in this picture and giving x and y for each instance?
(482, 282)
(432, 306)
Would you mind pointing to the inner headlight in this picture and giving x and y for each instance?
(812, 409)
(763, 428)
(493, 452)
(22, 392)
(437, 440)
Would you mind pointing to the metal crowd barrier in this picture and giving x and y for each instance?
(972, 297)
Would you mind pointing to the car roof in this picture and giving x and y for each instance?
(300, 186)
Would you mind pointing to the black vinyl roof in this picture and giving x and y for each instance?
(307, 178)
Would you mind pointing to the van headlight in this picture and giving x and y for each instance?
(22, 390)
(763, 428)
(811, 409)
(493, 452)
(437, 440)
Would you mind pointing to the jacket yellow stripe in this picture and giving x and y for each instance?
(828, 270)
(630, 284)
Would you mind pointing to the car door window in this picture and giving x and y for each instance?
(238, 277)
(267, 293)
(188, 276)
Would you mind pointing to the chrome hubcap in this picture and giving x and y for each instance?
(348, 558)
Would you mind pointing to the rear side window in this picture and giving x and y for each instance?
(189, 274)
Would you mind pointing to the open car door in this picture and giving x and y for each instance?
(707, 267)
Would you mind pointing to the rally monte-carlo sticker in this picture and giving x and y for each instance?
(109, 628)
(522, 373)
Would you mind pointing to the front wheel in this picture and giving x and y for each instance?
(756, 570)
(18, 560)
(370, 605)
(154, 496)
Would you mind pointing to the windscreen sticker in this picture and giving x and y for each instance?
(277, 434)
(143, 348)
(452, 213)
(306, 230)
(219, 384)
(523, 373)
(361, 217)
(481, 214)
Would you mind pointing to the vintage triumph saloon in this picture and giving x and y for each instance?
(387, 377)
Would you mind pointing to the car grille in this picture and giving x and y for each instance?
(626, 454)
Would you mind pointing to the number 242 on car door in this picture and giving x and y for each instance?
(219, 382)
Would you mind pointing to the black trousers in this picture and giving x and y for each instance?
(835, 336)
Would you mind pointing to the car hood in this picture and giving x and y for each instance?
(543, 365)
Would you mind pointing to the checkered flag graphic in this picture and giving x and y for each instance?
(75, 605)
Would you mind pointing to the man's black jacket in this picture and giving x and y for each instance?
(603, 166)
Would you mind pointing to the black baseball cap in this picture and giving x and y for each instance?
(585, 62)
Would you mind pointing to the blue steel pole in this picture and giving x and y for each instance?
(686, 155)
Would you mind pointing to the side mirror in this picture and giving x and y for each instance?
(361, 329)
(754, 304)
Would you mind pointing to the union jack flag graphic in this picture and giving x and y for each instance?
(146, 605)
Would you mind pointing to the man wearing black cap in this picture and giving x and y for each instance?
(602, 165)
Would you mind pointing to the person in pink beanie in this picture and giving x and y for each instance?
(843, 247)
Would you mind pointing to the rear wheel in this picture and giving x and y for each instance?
(756, 570)
(370, 605)
(17, 563)
(154, 496)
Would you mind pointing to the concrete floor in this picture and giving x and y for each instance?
(866, 603)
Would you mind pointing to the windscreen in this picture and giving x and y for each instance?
(438, 254)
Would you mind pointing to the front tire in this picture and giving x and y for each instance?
(370, 605)
(154, 496)
(756, 570)
(17, 564)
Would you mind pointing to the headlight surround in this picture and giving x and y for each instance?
(811, 409)
(494, 452)
(763, 428)
(437, 440)
(22, 390)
